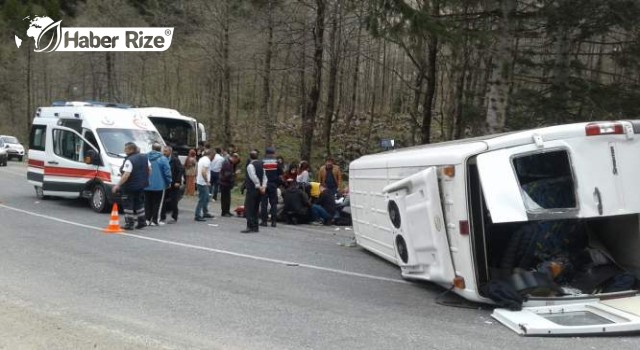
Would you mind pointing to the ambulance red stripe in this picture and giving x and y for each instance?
(70, 172)
(36, 163)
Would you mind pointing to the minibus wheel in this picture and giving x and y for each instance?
(98, 199)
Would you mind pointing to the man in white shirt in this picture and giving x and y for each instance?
(202, 183)
(216, 165)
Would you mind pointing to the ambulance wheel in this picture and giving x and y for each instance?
(98, 199)
(40, 193)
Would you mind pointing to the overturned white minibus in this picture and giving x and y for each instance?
(558, 204)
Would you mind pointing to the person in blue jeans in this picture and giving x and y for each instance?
(325, 207)
(159, 181)
(202, 184)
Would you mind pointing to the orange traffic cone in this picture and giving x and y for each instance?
(114, 223)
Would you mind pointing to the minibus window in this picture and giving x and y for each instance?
(179, 134)
(546, 180)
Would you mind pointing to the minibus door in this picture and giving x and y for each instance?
(419, 229)
(594, 316)
(65, 171)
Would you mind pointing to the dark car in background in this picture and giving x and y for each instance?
(12, 146)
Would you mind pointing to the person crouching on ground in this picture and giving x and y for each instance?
(324, 209)
(202, 182)
(159, 181)
(173, 193)
(135, 177)
(296, 204)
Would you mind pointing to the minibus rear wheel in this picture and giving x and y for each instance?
(98, 199)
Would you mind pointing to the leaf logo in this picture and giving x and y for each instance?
(56, 37)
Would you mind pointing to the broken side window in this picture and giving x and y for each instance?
(546, 180)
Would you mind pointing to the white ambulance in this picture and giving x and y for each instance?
(76, 150)
(467, 213)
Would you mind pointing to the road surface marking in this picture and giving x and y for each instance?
(213, 250)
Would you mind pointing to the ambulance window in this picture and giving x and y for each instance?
(67, 145)
(92, 139)
(38, 137)
(546, 180)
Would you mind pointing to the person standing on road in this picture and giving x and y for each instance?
(330, 176)
(173, 193)
(135, 177)
(202, 182)
(255, 186)
(273, 172)
(190, 165)
(227, 181)
(216, 165)
(159, 181)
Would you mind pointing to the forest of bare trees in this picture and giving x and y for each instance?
(318, 77)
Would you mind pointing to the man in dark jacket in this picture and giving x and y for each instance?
(173, 192)
(135, 177)
(296, 204)
(255, 187)
(325, 207)
(274, 174)
(227, 181)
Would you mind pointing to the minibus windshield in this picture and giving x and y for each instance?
(180, 134)
(113, 140)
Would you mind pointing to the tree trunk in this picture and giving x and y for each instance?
(374, 97)
(303, 69)
(226, 116)
(267, 117)
(110, 80)
(28, 82)
(497, 95)
(427, 107)
(354, 84)
(333, 74)
(308, 123)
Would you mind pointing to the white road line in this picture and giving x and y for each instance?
(212, 250)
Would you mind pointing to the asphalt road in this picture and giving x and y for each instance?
(66, 285)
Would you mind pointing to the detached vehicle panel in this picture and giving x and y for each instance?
(546, 217)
